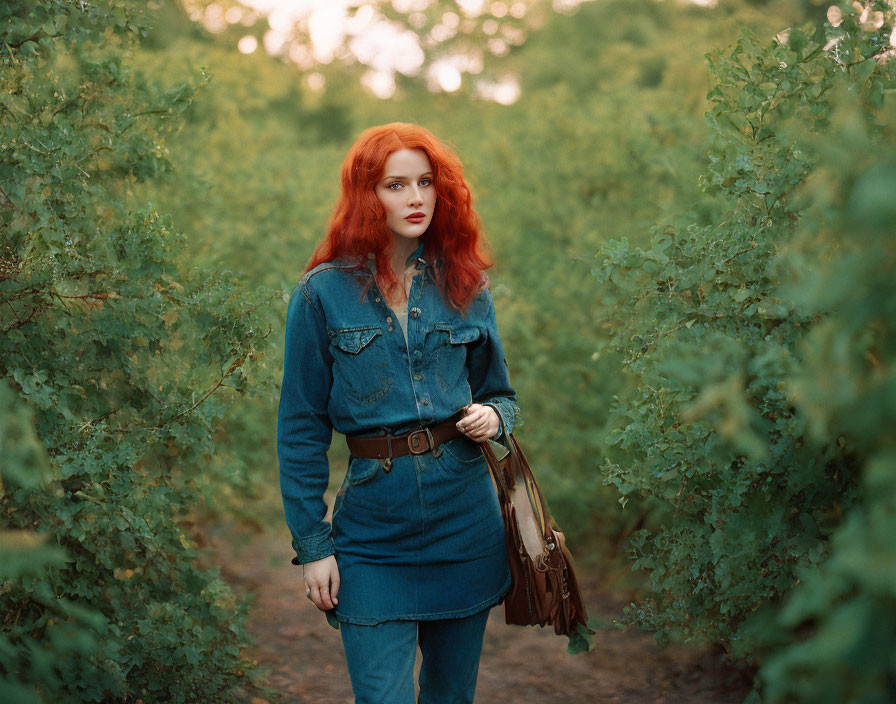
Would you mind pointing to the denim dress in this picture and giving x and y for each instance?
(424, 540)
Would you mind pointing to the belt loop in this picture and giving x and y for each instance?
(387, 463)
(435, 450)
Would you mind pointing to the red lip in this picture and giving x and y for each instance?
(416, 216)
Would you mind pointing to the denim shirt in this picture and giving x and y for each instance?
(348, 367)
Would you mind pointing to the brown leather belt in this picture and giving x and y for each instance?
(416, 442)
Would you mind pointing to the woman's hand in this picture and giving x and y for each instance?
(322, 582)
(479, 423)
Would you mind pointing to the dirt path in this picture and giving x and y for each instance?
(304, 657)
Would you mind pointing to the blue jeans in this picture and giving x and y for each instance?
(381, 659)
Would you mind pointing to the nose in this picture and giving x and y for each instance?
(415, 196)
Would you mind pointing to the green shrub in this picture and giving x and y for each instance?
(835, 636)
(742, 422)
(127, 361)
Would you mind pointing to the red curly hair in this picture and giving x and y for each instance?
(357, 224)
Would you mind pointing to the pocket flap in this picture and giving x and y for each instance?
(353, 341)
(460, 335)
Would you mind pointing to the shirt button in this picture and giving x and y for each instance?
(377, 299)
(425, 402)
(415, 312)
(417, 354)
(391, 328)
(418, 377)
(389, 319)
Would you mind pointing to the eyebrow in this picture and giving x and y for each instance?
(405, 178)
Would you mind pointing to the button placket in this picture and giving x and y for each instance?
(413, 297)
(413, 334)
(414, 342)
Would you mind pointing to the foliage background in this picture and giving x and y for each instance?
(693, 283)
(119, 361)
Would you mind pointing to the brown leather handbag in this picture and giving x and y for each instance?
(543, 589)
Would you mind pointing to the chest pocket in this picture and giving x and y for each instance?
(449, 355)
(360, 364)
(354, 340)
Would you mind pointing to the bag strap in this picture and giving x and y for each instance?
(519, 469)
(523, 468)
(495, 468)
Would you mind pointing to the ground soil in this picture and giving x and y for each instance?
(301, 656)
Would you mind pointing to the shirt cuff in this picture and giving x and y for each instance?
(315, 547)
(507, 413)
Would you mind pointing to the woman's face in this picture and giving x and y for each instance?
(407, 189)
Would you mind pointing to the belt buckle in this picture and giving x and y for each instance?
(415, 440)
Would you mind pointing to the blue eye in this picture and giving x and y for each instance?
(423, 182)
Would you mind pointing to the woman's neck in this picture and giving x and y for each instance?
(403, 248)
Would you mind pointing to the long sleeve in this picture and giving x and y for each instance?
(489, 375)
(304, 430)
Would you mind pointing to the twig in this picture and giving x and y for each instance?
(218, 385)
(89, 423)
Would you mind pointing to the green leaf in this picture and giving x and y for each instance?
(581, 640)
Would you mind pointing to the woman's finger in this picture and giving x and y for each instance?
(334, 587)
(474, 414)
(488, 418)
(474, 423)
(314, 595)
(480, 414)
(325, 600)
(473, 429)
(477, 432)
(477, 424)
(480, 419)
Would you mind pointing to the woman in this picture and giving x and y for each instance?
(391, 339)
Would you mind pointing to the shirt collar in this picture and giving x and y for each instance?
(416, 254)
